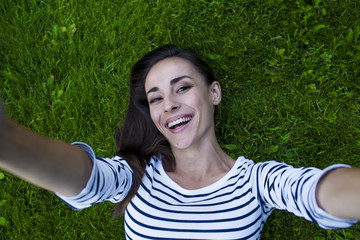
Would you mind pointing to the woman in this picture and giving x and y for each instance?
(171, 177)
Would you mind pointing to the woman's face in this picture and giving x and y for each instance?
(181, 102)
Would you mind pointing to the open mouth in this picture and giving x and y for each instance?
(178, 123)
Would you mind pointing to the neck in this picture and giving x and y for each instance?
(200, 166)
(205, 158)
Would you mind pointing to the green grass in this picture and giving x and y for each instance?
(289, 72)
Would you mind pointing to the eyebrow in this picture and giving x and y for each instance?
(172, 82)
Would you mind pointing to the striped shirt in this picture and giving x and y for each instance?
(234, 207)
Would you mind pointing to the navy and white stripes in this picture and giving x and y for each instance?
(235, 207)
(110, 180)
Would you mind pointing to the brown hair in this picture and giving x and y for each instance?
(139, 139)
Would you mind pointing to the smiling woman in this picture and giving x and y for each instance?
(182, 97)
(170, 176)
(150, 82)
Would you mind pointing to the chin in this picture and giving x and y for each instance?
(180, 145)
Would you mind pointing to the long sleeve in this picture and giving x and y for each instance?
(110, 180)
(284, 187)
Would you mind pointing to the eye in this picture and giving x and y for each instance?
(155, 100)
(182, 89)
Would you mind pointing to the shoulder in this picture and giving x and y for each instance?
(261, 169)
(248, 164)
(154, 165)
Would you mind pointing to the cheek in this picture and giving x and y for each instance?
(198, 101)
(204, 105)
(154, 114)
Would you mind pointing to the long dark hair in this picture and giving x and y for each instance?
(139, 139)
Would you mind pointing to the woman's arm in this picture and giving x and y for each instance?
(338, 193)
(49, 163)
(284, 187)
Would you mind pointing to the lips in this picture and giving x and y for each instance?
(177, 122)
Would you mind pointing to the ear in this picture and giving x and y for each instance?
(215, 91)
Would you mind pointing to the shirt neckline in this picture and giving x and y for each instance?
(168, 181)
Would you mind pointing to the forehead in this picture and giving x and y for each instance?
(166, 70)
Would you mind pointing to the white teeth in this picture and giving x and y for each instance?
(178, 121)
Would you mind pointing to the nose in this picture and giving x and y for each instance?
(171, 105)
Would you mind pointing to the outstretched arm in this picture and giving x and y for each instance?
(338, 193)
(49, 163)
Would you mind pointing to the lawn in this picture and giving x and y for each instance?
(289, 72)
